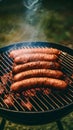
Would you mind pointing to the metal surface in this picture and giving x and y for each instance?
(46, 108)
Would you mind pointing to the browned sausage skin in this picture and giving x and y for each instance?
(38, 82)
(17, 52)
(38, 73)
(36, 65)
(35, 57)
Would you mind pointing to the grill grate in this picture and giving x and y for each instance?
(40, 102)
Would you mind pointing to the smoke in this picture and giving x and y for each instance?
(32, 7)
(34, 17)
(29, 4)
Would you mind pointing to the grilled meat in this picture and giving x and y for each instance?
(38, 73)
(18, 52)
(36, 65)
(34, 82)
(35, 57)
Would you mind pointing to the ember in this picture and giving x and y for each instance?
(1, 89)
(8, 99)
(33, 91)
(6, 77)
(26, 104)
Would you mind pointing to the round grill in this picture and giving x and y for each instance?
(45, 107)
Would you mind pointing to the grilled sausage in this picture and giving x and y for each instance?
(38, 73)
(36, 65)
(38, 82)
(35, 57)
(17, 52)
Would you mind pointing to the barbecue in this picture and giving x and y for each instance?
(40, 105)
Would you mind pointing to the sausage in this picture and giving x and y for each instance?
(35, 57)
(38, 82)
(17, 52)
(38, 73)
(36, 65)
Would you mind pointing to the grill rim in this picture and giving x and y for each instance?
(36, 118)
(67, 108)
(36, 44)
(57, 109)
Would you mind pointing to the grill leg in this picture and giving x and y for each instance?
(59, 124)
(2, 125)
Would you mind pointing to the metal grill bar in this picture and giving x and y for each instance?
(37, 104)
(41, 102)
(4, 61)
(71, 91)
(53, 102)
(50, 106)
(1, 105)
(67, 64)
(57, 99)
(62, 99)
(71, 96)
(3, 102)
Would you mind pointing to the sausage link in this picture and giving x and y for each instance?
(38, 82)
(18, 52)
(38, 73)
(36, 65)
(35, 57)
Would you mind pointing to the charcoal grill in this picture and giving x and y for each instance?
(46, 108)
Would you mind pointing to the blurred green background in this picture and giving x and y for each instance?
(39, 20)
(42, 20)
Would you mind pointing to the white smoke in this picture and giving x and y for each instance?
(32, 6)
(33, 18)
(29, 4)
